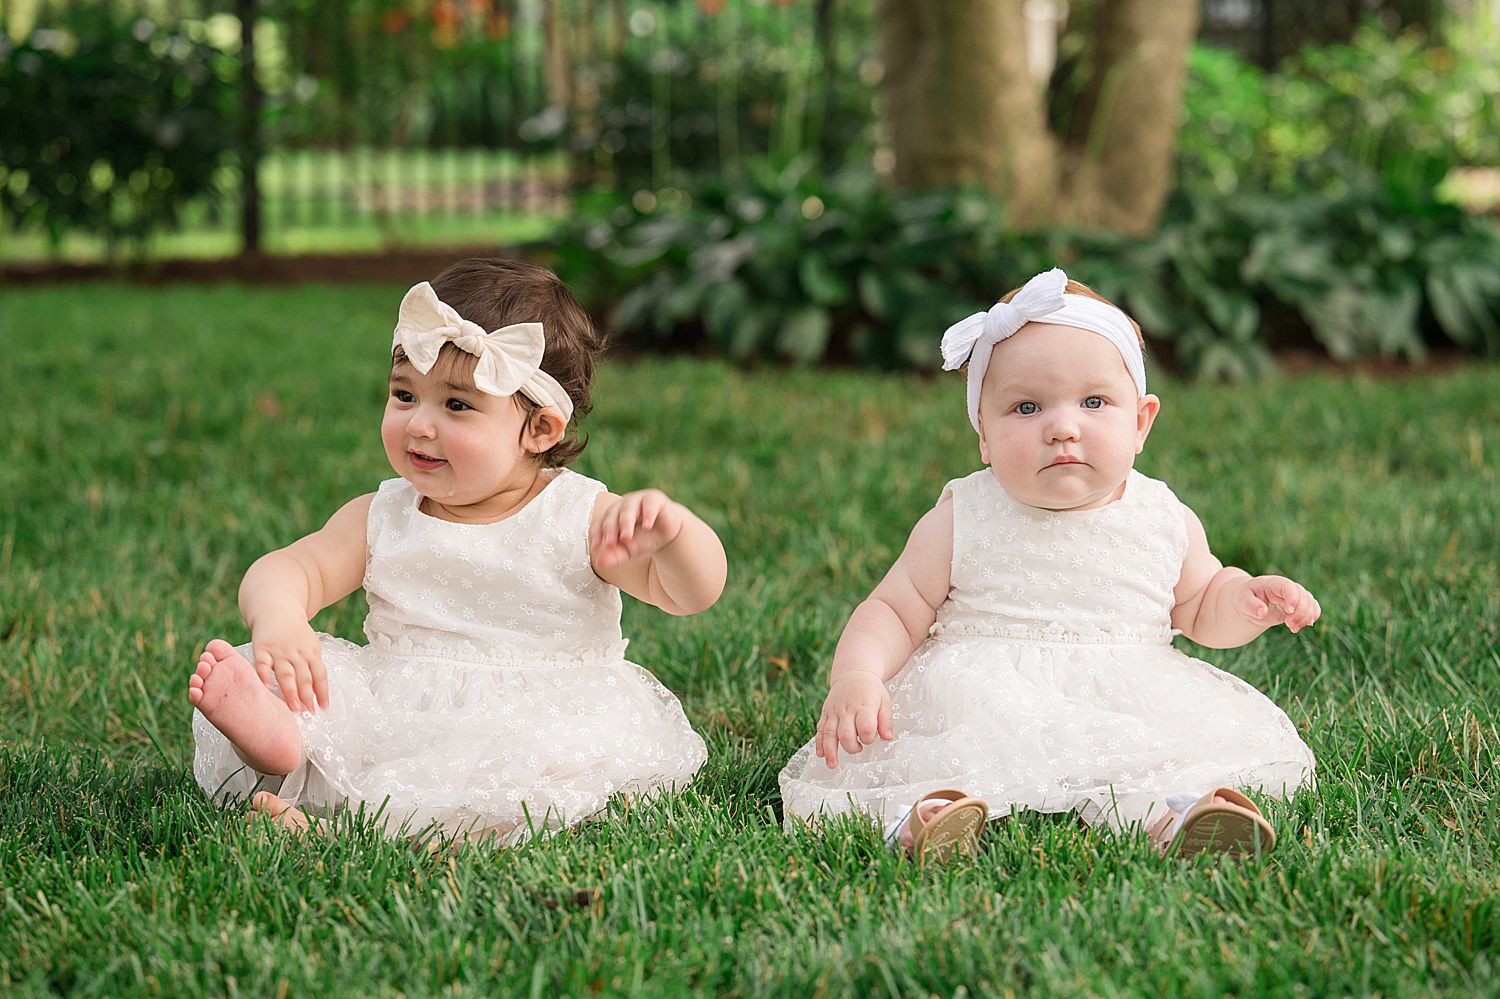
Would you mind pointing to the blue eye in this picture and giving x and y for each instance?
(1028, 409)
(1093, 402)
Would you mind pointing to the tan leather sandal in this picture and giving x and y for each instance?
(952, 828)
(1234, 827)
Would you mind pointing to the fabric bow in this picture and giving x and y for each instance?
(974, 338)
(510, 358)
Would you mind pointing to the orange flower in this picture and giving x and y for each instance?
(445, 14)
(711, 7)
(394, 21)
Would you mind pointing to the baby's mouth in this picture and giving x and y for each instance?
(1066, 459)
(425, 462)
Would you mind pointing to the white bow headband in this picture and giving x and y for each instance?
(510, 358)
(973, 339)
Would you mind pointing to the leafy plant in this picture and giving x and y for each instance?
(780, 267)
(1395, 107)
(111, 126)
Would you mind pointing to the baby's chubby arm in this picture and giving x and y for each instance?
(657, 550)
(1222, 607)
(284, 589)
(881, 635)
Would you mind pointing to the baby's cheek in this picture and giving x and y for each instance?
(391, 436)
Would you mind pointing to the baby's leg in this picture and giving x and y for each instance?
(257, 723)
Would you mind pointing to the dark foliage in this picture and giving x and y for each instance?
(781, 267)
(110, 126)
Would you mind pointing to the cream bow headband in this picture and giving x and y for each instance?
(510, 358)
(973, 339)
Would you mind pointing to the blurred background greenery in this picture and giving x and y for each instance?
(726, 172)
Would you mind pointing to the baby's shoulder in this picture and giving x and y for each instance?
(976, 487)
(1150, 489)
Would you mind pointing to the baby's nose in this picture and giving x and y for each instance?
(1062, 430)
(421, 423)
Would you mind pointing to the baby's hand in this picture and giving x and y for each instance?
(857, 710)
(636, 524)
(291, 652)
(1271, 600)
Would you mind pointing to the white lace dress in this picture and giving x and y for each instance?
(495, 685)
(1050, 681)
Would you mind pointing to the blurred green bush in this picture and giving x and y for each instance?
(779, 266)
(111, 126)
(1393, 106)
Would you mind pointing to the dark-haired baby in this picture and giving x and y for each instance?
(494, 696)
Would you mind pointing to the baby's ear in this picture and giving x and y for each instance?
(1145, 415)
(544, 429)
(984, 445)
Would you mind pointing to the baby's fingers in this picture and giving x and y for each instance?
(828, 742)
(630, 516)
(286, 678)
(867, 724)
(848, 737)
(264, 664)
(1308, 611)
(306, 690)
(604, 531)
(320, 679)
(653, 502)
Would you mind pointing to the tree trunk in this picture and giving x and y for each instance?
(558, 57)
(962, 108)
(250, 103)
(1119, 158)
(961, 103)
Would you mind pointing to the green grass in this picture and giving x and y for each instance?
(155, 442)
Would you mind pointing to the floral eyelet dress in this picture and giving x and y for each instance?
(494, 693)
(1050, 682)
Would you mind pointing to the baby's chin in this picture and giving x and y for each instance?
(1059, 488)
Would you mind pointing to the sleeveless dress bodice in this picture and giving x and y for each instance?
(1103, 576)
(494, 694)
(522, 591)
(1049, 681)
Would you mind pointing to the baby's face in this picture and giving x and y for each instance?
(454, 443)
(1060, 423)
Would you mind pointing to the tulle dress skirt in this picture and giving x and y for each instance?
(472, 745)
(1107, 730)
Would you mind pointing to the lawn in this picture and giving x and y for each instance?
(157, 441)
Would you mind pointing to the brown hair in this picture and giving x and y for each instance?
(1079, 288)
(494, 292)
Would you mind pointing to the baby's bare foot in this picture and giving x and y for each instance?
(232, 697)
(279, 811)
